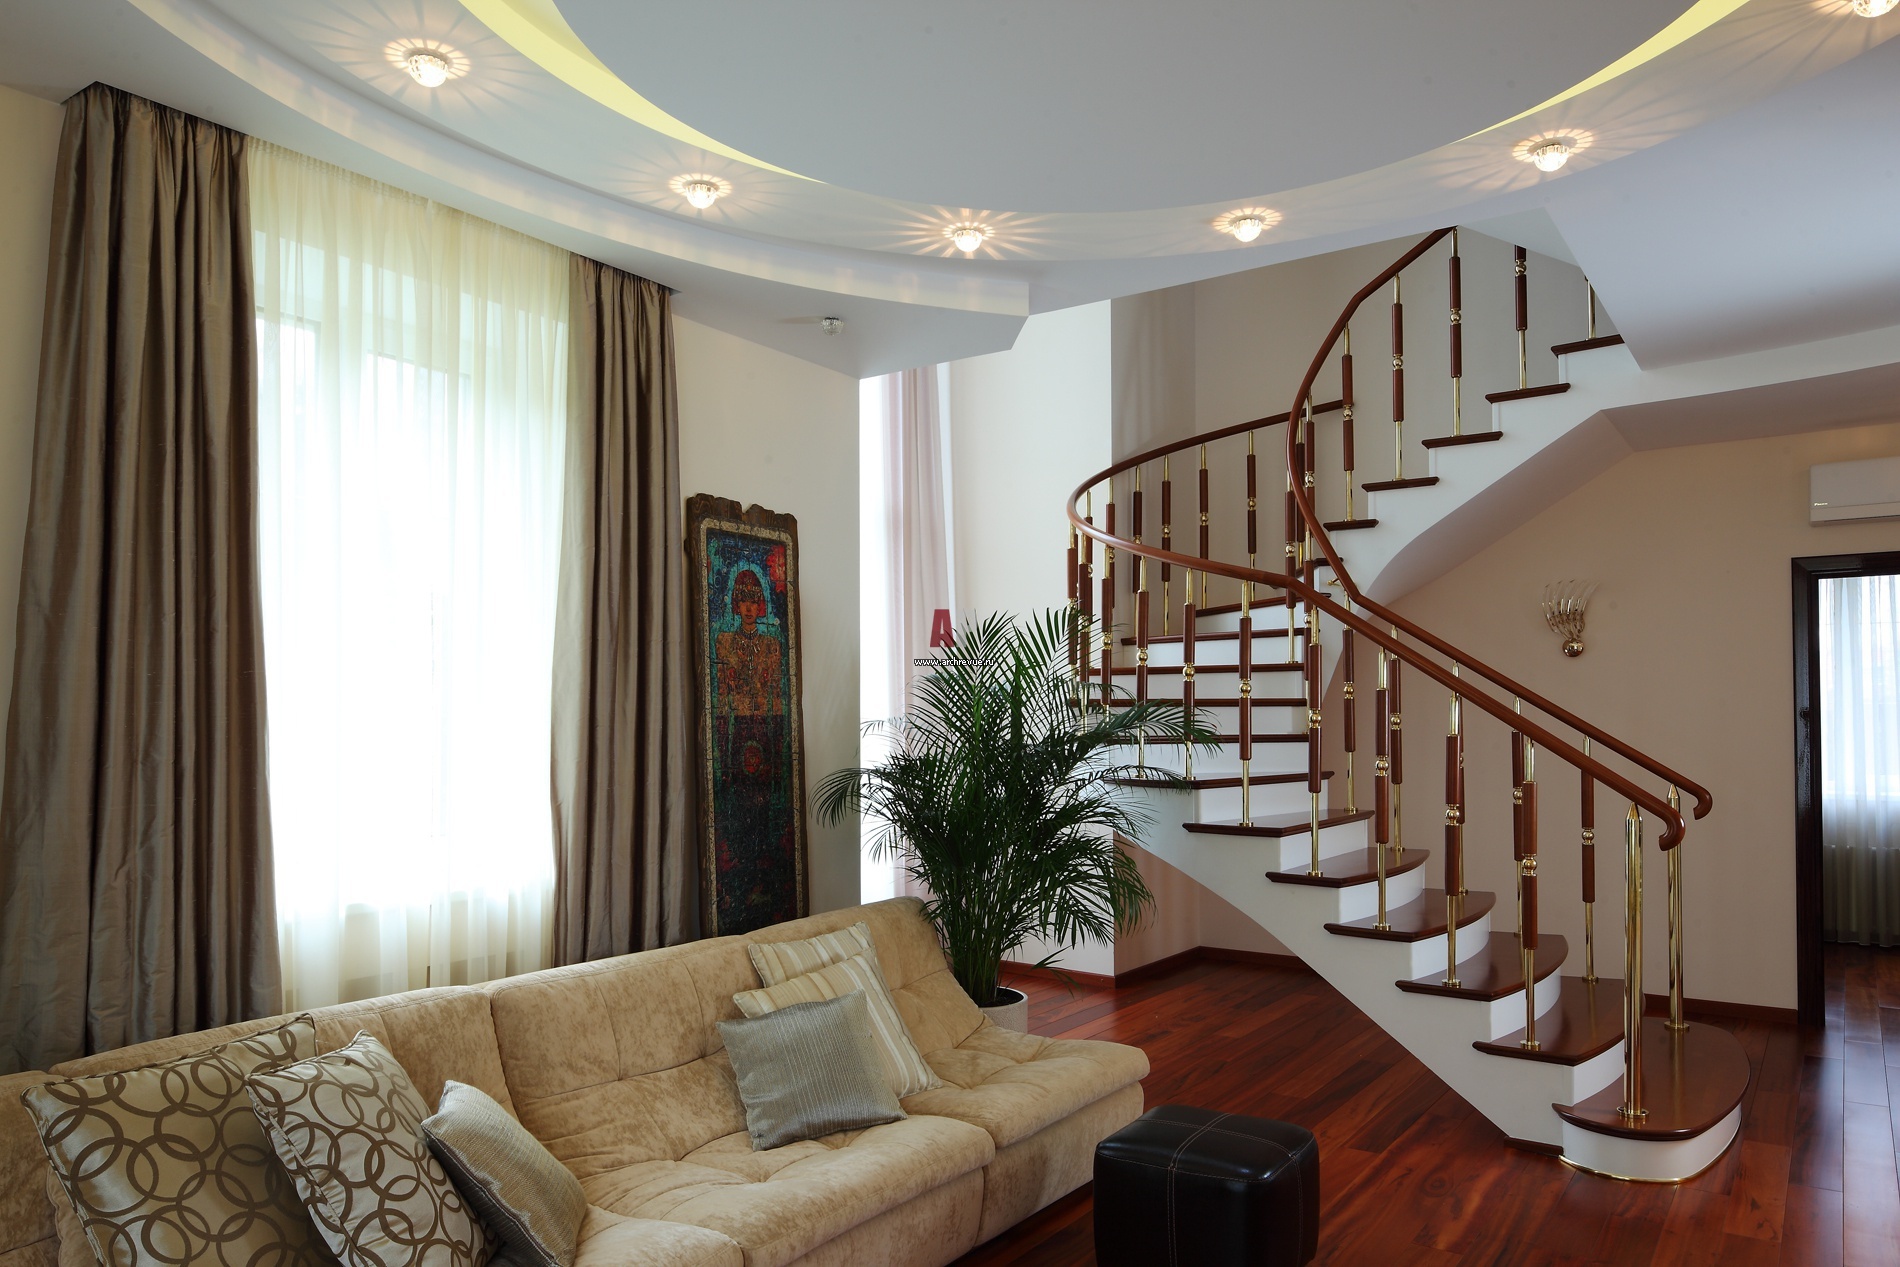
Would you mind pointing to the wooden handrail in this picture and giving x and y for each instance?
(1704, 801)
(1388, 637)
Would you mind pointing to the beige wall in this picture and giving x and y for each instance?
(759, 426)
(1689, 657)
(29, 143)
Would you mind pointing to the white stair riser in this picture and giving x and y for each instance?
(1266, 719)
(1662, 1161)
(1267, 649)
(1285, 853)
(1224, 762)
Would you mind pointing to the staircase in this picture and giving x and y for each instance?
(1540, 1035)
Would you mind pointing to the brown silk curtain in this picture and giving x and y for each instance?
(135, 877)
(625, 875)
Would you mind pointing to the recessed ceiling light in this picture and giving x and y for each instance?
(427, 67)
(1247, 223)
(1874, 8)
(1549, 155)
(967, 237)
(831, 325)
(700, 190)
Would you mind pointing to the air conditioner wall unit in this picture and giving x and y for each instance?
(1842, 492)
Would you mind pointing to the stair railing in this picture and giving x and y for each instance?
(1396, 642)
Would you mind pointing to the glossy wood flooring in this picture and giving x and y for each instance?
(1412, 1174)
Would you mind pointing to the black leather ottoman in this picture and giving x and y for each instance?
(1184, 1187)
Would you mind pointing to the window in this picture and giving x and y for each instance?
(412, 365)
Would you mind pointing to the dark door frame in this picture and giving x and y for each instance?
(1810, 983)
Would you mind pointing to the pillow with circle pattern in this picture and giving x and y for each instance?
(348, 1127)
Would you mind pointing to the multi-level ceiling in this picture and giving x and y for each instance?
(1729, 187)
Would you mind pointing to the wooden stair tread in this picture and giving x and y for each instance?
(1527, 393)
(1586, 1022)
(1225, 701)
(1356, 866)
(1281, 825)
(1421, 918)
(1231, 635)
(1259, 736)
(1692, 1079)
(1347, 525)
(1386, 486)
(1217, 781)
(1469, 437)
(1585, 345)
(1276, 666)
(1497, 969)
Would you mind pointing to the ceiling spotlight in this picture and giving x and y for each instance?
(1247, 228)
(699, 189)
(427, 67)
(1247, 223)
(967, 237)
(831, 325)
(1549, 155)
(1874, 8)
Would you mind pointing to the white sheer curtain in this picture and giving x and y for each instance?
(1860, 759)
(412, 397)
(905, 555)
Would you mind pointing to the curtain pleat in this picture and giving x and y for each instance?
(135, 849)
(625, 875)
(1860, 759)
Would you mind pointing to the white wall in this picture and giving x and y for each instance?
(1026, 427)
(29, 144)
(760, 426)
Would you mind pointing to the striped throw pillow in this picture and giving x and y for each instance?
(778, 961)
(807, 1071)
(905, 1069)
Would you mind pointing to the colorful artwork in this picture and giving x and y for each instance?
(744, 575)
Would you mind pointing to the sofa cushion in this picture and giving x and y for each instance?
(1012, 1085)
(348, 1127)
(166, 1164)
(781, 1204)
(613, 1240)
(901, 1065)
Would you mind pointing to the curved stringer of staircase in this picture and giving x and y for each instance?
(1570, 1064)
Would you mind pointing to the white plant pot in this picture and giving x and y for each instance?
(1011, 1015)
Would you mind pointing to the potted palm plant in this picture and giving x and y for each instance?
(999, 797)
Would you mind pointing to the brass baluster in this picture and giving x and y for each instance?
(1085, 578)
(1675, 924)
(1075, 603)
(1589, 872)
(1141, 659)
(1245, 702)
(1381, 783)
(1253, 521)
(1345, 418)
(1136, 578)
(1526, 799)
(1398, 760)
(1398, 381)
(1108, 609)
(1632, 1106)
(1454, 831)
(1517, 809)
(1309, 447)
(1520, 271)
(1188, 623)
(1313, 720)
(1167, 544)
(1203, 523)
(1349, 735)
(1457, 340)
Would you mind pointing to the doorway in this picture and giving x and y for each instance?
(1838, 624)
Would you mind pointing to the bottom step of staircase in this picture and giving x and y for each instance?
(1693, 1081)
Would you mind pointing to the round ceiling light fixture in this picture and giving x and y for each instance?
(427, 67)
(1874, 8)
(966, 237)
(1551, 155)
(1548, 151)
(1247, 223)
(700, 190)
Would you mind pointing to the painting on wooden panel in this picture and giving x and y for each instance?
(743, 581)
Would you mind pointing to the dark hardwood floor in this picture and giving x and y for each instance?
(1412, 1174)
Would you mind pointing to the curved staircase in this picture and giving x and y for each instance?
(1569, 1065)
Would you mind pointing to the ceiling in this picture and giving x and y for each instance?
(1725, 143)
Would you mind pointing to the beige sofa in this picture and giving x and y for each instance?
(617, 1067)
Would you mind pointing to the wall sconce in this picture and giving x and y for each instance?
(1564, 605)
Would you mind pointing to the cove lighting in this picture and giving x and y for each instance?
(1874, 8)
(967, 237)
(428, 68)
